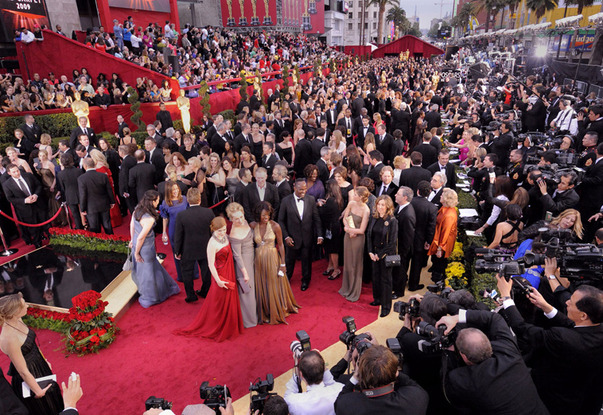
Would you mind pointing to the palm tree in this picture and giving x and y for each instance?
(581, 4)
(540, 7)
(397, 15)
(382, 4)
(490, 6)
(461, 20)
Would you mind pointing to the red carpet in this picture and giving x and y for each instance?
(146, 359)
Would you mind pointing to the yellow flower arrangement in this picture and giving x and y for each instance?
(455, 275)
(457, 253)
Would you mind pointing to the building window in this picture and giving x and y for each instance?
(360, 15)
(374, 25)
(351, 15)
(374, 15)
(360, 4)
(359, 26)
(350, 26)
(366, 25)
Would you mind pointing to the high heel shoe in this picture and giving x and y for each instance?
(327, 272)
(335, 275)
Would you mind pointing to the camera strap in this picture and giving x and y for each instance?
(377, 392)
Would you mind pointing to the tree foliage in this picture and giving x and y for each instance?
(397, 15)
(136, 118)
(540, 7)
(382, 4)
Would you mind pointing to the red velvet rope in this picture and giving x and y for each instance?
(31, 225)
(219, 203)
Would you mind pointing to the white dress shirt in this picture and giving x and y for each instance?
(317, 400)
(299, 203)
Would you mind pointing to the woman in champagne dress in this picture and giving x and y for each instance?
(46, 171)
(273, 293)
(355, 219)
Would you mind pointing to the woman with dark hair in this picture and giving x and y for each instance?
(381, 238)
(274, 297)
(220, 315)
(507, 232)
(154, 283)
(316, 187)
(353, 162)
(503, 192)
(329, 210)
(173, 203)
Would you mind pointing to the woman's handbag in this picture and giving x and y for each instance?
(392, 261)
(128, 265)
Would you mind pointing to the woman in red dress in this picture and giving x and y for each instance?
(103, 167)
(220, 316)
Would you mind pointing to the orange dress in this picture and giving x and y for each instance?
(445, 232)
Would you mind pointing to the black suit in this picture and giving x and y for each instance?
(284, 189)
(348, 124)
(165, 118)
(434, 120)
(317, 145)
(429, 152)
(76, 132)
(124, 178)
(303, 231)
(31, 137)
(450, 173)
(141, 178)
(413, 175)
(381, 238)
(27, 212)
(591, 196)
(426, 214)
(375, 174)
(323, 171)
(158, 162)
(436, 198)
(356, 107)
(331, 118)
(242, 140)
(251, 198)
(9, 403)
(96, 198)
(361, 135)
(406, 235)
(401, 121)
(303, 156)
(391, 190)
(218, 143)
(120, 128)
(500, 384)
(385, 147)
(566, 364)
(68, 186)
(268, 163)
(191, 237)
(408, 398)
(240, 192)
(565, 200)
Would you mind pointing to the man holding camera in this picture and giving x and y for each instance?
(567, 358)
(321, 391)
(383, 390)
(564, 197)
(491, 377)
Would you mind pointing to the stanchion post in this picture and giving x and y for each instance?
(6, 252)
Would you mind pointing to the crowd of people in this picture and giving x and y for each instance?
(357, 168)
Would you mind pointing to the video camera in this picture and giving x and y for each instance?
(360, 342)
(435, 339)
(302, 344)
(411, 308)
(262, 389)
(159, 403)
(214, 396)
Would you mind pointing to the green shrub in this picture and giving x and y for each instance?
(228, 115)
(57, 125)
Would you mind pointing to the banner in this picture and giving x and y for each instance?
(16, 14)
(150, 5)
(246, 13)
(584, 40)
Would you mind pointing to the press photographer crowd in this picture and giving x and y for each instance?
(364, 168)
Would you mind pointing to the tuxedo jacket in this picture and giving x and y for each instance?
(391, 190)
(141, 178)
(268, 164)
(31, 137)
(68, 184)
(317, 145)
(436, 199)
(120, 128)
(425, 214)
(304, 230)
(96, 194)
(401, 121)
(192, 232)
(16, 196)
(241, 140)
(76, 132)
(434, 120)
(564, 352)
(124, 174)
(303, 156)
(429, 152)
(218, 143)
(361, 134)
(343, 122)
(158, 162)
(385, 147)
(357, 105)
(413, 175)
(251, 198)
(284, 189)
(375, 174)
(591, 188)
(406, 229)
(450, 174)
(323, 171)
(331, 118)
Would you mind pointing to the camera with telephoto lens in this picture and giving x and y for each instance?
(262, 389)
(411, 308)
(302, 344)
(497, 261)
(440, 289)
(159, 403)
(362, 342)
(347, 337)
(435, 339)
(214, 396)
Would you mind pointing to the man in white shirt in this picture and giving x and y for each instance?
(565, 120)
(321, 391)
(27, 36)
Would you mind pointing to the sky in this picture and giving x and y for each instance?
(426, 10)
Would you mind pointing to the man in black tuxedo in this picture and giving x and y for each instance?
(376, 164)
(23, 191)
(594, 123)
(219, 139)
(84, 140)
(65, 149)
(128, 161)
(384, 142)
(269, 159)
(347, 122)
(494, 375)
(245, 177)
(429, 152)
(96, 198)
(318, 142)
(357, 104)
(164, 117)
(260, 191)
(31, 135)
(191, 236)
(243, 139)
(591, 192)
(323, 164)
(399, 393)
(363, 130)
(386, 176)
(405, 214)
(121, 124)
(570, 348)
(564, 197)
(426, 214)
(84, 129)
(502, 143)
(280, 179)
(141, 176)
(303, 153)
(9, 403)
(415, 173)
(300, 224)
(212, 129)
(154, 134)
(443, 164)
(154, 156)
(433, 118)
(331, 114)
(438, 181)
(401, 120)
(68, 186)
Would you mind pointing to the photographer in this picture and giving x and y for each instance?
(564, 197)
(565, 121)
(568, 359)
(588, 156)
(384, 390)
(594, 122)
(421, 366)
(321, 391)
(492, 377)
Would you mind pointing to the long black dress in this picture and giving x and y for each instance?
(52, 402)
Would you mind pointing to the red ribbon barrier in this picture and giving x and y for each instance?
(31, 225)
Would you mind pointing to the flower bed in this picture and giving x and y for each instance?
(80, 240)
